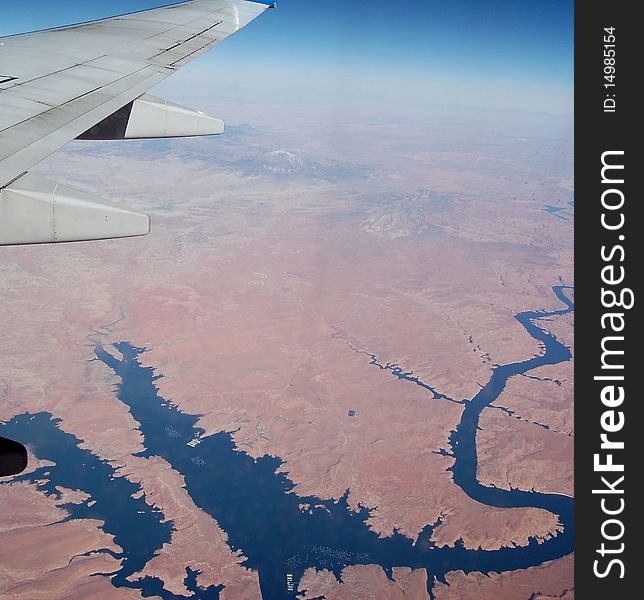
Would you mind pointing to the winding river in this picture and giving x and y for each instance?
(252, 503)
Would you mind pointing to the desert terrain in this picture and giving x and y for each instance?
(284, 257)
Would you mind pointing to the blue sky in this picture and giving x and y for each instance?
(503, 54)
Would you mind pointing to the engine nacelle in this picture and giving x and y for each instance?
(151, 117)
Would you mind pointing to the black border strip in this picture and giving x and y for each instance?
(599, 130)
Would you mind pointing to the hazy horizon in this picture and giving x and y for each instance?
(403, 60)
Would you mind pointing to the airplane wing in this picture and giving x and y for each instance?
(89, 81)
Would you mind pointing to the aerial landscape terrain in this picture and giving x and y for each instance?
(330, 312)
(340, 366)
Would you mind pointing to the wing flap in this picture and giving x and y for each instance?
(74, 82)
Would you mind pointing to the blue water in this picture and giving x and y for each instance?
(555, 210)
(254, 504)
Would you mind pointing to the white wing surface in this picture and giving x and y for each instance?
(89, 80)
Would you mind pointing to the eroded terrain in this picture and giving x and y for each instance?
(275, 271)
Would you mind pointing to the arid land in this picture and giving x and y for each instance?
(280, 259)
